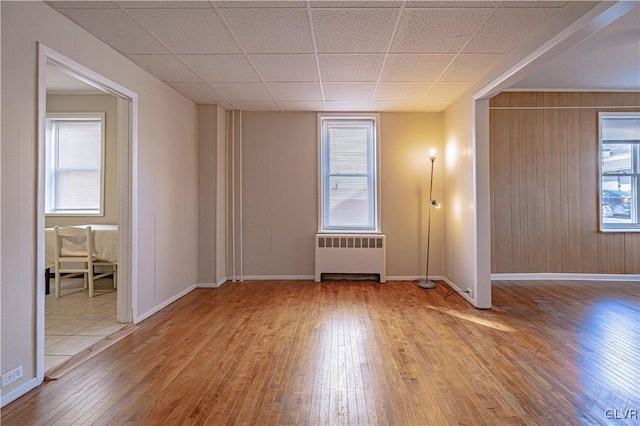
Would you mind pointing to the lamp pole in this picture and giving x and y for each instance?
(427, 283)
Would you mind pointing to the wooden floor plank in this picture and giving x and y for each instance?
(278, 352)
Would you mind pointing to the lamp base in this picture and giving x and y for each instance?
(426, 284)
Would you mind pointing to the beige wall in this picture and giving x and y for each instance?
(93, 103)
(280, 193)
(406, 139)
(164, 174)
(212, 184)
(544, 185)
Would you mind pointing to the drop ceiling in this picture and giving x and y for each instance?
(315, 55)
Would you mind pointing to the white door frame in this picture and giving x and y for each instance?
(127, 188)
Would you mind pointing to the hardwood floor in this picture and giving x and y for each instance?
(363, 354)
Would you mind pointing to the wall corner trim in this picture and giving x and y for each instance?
(565, 276)
(212, 285)
(19, 391)
(164, 304)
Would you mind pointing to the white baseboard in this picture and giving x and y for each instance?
(413, 278)
(462, 293)
(164, 304)
(19, 391)
(212, 285)
(276, 278)
(567, 277)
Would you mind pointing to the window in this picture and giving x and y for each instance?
(74, 168)
(349, 194)
(619, 171)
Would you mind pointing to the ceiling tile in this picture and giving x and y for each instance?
(221, 68)
(415, 67)
(558, 4)
(448, 4)
(354, 4)
(197, 92)
(446, 91)
(301, 106)
(260, 3)
(82, 4)
(284, 67)
(165, 67)
(234, 92)
(470, 67)
(507, 29)
(339, 106)
(117, 29)
(354, 91)
(270, 30)
(392, 105)
(295, 91)
(164, 4)
(401, 91)
(433, 106)
(256, 106)
(437, 30)
(350, 67)
(353, 30)
(206, 32)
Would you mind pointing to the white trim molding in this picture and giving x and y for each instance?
(565, 277)
(164, 304)
(278, 277)
(19, 391)
(212, 285)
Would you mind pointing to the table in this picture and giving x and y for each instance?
(105, 246)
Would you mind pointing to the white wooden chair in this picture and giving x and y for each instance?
(74, 245)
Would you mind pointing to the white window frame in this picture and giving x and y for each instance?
(634, 225)
(323, 175)
(79, 116)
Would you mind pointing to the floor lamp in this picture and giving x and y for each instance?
(427, 283)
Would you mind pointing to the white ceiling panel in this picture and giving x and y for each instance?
(437, 30)
(164, 4)
(400, 91)
(354, 91)
(508, 29)
(117, 29)
(206, 32)
(221, 68)
(247, 4)
(392, 106)
(83, 4)
(301, 106)
(166, 67)
(470, 67)
(446, 91)
(450, 4)
(255, 106)
(346, 106)
(354, 55)
(353, 30)
(243, 91)
(286, 67)
(198, 92)
(295, 91)
(355, 4)
(350, 67)
(415, 67)
(433, 106)
(263, 30)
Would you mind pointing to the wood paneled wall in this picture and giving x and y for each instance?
(544, 180)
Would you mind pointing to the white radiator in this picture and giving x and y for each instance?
(350, 254)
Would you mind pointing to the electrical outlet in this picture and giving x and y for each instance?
(11, 376)
(470, 292)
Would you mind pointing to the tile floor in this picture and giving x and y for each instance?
(74, 322)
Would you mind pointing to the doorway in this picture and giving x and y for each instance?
(58, 74)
